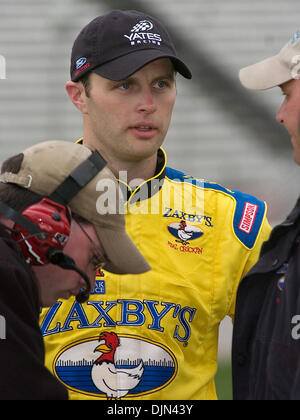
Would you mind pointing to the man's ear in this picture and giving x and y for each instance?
(76, 92)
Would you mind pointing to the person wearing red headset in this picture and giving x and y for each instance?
(55, 232)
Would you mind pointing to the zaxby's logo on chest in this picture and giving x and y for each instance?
(184, 232)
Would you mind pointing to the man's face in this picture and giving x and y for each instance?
(289, 114)
(128, 120)
(56, 283)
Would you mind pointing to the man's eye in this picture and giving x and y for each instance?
(160, 84)
(125, 86)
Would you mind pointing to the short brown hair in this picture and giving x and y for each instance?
(86, 82)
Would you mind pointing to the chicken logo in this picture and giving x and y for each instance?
(115, 366)
(114, 382)
(184, 232)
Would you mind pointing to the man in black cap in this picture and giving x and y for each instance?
(152, 336)
(106, 54)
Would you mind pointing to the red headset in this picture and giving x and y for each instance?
(43, 229)
(54, 220)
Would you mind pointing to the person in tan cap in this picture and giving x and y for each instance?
(266, 345)
(52, 240)
(282, 70)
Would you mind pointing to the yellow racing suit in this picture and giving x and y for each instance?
(155, 336)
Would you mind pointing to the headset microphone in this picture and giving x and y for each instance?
(57, 257)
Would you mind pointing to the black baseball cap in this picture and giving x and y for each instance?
(119, 43)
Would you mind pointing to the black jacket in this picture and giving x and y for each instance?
(22, 372)
(266, 338)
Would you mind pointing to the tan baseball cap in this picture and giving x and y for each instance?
(47, 165)
(276, 70)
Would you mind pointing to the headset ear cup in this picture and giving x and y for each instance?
(54, 220)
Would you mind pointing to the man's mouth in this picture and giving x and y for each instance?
(144, 131)
(144, 128)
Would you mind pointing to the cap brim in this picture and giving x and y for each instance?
(265, 75)
(123, 256)
(123, 67)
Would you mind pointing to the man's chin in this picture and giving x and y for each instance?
(297, 158)
(50, 301)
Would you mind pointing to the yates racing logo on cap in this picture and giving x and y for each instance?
(143, 25)
(140, 34)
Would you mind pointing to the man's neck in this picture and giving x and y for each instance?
(134, 173)
(131, 172)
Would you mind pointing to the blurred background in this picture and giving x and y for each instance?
(220, 132)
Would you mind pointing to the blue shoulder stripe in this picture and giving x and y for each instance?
(175, 175)
(249, 212)
(248, 218)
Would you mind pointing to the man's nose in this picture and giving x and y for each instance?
(147, 102)
(279, 115)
